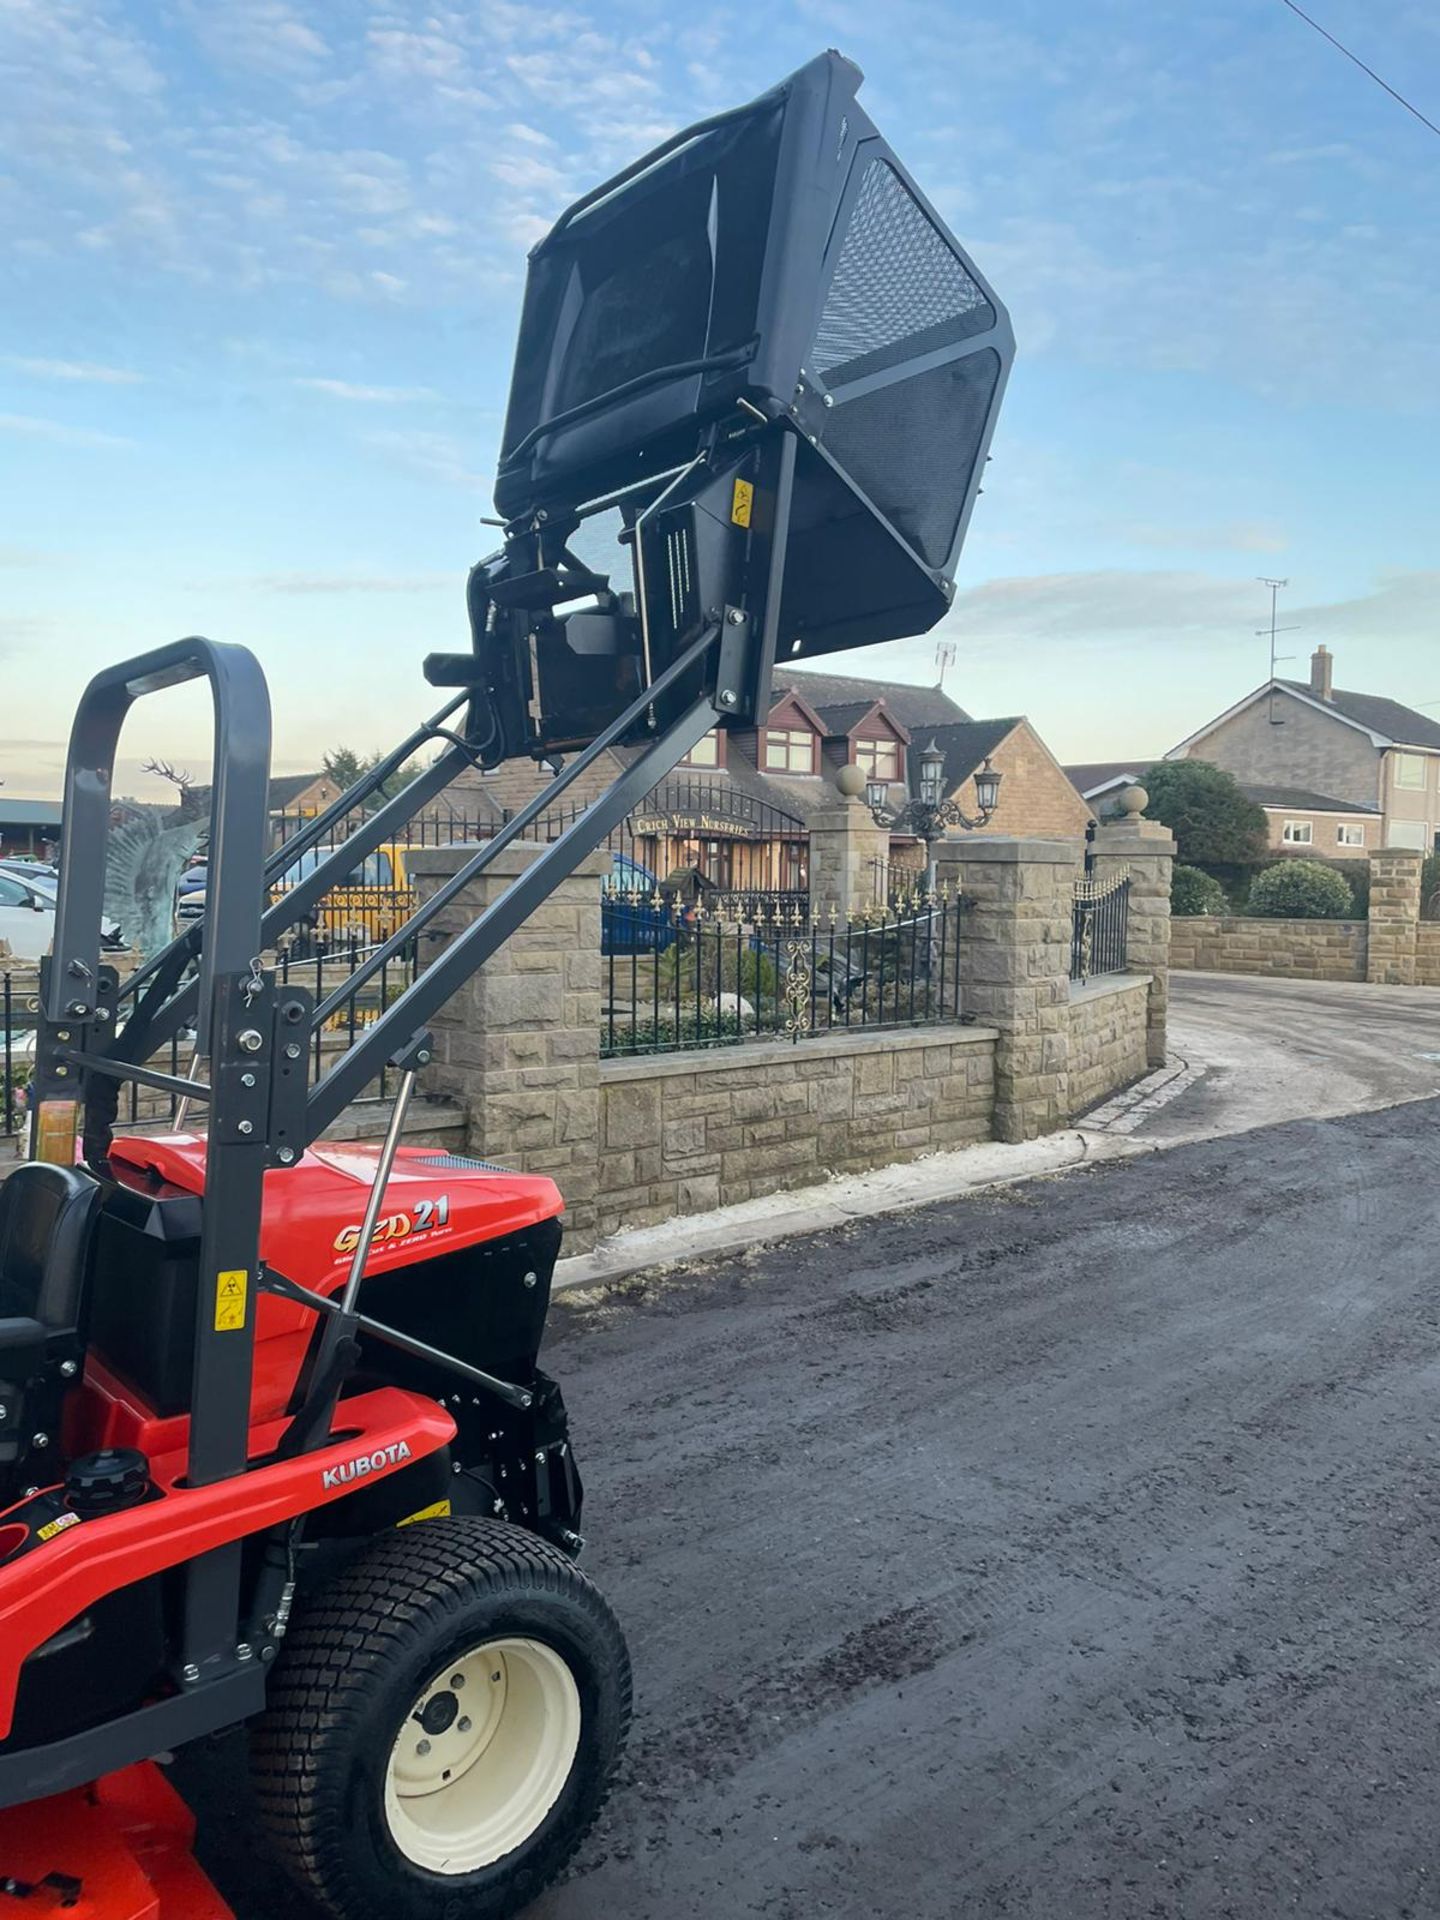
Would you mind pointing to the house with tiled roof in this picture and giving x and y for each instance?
(739, 807)
(1337, 772)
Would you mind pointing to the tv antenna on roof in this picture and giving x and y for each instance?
(1272, 630)
(944, 660)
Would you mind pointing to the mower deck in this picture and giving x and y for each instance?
(118, 1849)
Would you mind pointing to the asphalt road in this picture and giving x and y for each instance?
(1282, 1049)
(1067, 1553)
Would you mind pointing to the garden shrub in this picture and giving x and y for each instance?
(1301, 890)
(1194, 892)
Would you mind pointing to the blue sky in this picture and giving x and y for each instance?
(263, 261)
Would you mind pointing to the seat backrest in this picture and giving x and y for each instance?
(46, 1217)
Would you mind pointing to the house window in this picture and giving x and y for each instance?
(704, 753)
(1412, 834)
(1350, 836)
(1410, 770)
(878, 759)
(789, 750)
(1298, 833)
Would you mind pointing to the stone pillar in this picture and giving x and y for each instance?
(1015, 967)
(1147, 849)
(845, 845)
(1395, 874)
(519, 1044)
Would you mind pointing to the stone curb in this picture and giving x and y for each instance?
(836, 1203)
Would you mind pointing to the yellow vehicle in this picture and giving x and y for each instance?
(369, 904)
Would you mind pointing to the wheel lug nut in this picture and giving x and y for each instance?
(422, 1746)
(463, 1723)
(457, 1680)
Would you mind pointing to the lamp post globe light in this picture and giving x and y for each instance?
(929, 813)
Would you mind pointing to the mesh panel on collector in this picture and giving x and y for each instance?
(912, 447)
(898, 291)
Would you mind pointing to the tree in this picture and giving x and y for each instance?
(345, 766)
(1212, 821)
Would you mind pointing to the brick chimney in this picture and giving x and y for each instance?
(1322, 673)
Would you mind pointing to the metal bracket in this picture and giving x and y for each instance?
(294, 1010)
(734, 687)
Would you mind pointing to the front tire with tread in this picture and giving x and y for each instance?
(356, 1661)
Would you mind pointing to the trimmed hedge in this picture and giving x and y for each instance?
(1301, 890)
(1194, 892)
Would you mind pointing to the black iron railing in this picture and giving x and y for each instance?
(1100, 925)
(679, 977)
(437, 826)
(325, 971)
(18, 1055)
(736, 843)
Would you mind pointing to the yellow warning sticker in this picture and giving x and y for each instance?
(741, 502)
(52, 1527)
(232, 1290)
(440, 1511)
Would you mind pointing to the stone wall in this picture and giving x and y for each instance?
(1108, 1028)
(681, 1133)
(1395, 878)
(633, 1142)
(1014, 966)
(1281, 949)
(1427, 954)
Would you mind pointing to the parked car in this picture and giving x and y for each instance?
(27, 917)
(630, 922)
(30, 869)
(27, 914)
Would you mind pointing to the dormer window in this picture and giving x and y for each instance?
(878, 759)
(789, 750)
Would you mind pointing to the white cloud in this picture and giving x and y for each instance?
(1175, 608)
(434, 456)
(74, 370)
(377, 396)
(1241, 536)
(58, 431)
(264, 36)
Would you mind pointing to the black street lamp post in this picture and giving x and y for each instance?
(929, 813)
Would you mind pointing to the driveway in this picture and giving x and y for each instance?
(1289, 1049)
(1065, 1552)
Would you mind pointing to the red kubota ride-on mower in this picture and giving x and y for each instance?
(274, 1443)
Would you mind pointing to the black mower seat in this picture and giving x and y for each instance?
(46, 1217)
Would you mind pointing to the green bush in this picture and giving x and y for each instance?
(1430, 887)
(721, 966)
(696, 1028)
(1193, 892)
(1357, 872)
(1301, 890)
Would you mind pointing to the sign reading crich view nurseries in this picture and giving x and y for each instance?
(646, 826)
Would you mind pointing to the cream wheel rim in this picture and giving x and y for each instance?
(483, 1756)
